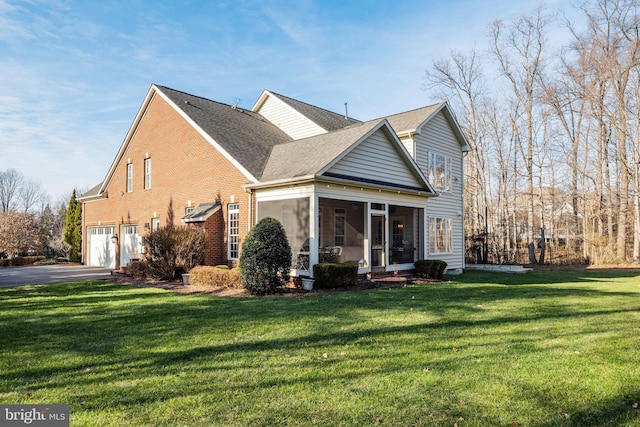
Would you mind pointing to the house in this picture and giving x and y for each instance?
(380, 193)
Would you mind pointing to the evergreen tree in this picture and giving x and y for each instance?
(73, 228)
(266, 258)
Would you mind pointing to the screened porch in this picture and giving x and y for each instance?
(374, 236)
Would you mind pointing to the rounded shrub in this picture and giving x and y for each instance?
(266, 258)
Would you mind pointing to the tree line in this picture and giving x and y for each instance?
(31, 224)
(555, 131)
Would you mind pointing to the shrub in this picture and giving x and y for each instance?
(190, 247)
(266, 258)
(215, 277)
(423, 268)
(160, 253)
(137, 270)
(430, 268)
(442, 267)
(170, 251)
(21, 260)
(329, 276)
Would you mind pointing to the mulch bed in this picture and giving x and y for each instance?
(290, 291)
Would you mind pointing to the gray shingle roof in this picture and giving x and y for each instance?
(91, 192)
(310, 155)
(246, 136)
(202, 212)
(326, 119)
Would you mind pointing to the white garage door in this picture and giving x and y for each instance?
(102, 251)
(130, 244)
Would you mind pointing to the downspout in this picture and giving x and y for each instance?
(251, 208)
(464, 243)
(83, 234)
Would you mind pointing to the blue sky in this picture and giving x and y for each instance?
(73, 74)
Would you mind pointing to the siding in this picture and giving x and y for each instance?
(288, 120)
(376, 159)
(437, 137)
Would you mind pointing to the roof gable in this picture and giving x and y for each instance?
(299, 119)
(369, 144)
(379, 159)
(245, 138)
(414, 121)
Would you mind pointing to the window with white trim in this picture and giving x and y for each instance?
(439, 171)
(233, 216)
(147, 173)
(129, 177)
(155, 224)
(439, 235)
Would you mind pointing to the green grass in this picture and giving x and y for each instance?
(539, 349)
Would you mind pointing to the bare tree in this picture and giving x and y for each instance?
(520, 55)
(32, 196)
(461, 81)
(10, 184)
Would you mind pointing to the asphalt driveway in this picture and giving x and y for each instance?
(37, 274)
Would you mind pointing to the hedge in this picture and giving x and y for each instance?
(20, 261)
(430, 269)
(329, 276)
(215, 277)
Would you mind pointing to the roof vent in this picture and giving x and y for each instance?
(346, 112)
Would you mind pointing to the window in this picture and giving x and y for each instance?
(439, 171)
(439, 235)
(155, 224)
(188, 210)
(233, 214)
(397, 231)
(340, 227)
(129, 177)
(147, 173)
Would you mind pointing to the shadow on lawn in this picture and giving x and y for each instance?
(615, 411)
(145, 333)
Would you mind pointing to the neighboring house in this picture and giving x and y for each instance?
(381, 193)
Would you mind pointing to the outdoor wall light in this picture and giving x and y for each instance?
(114, 238)
(362, 263)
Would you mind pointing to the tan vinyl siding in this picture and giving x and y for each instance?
(376, 159)
(288, 120)
(438, 137)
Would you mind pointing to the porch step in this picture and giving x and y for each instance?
(391, 279)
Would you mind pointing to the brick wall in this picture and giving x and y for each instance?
(186, 171)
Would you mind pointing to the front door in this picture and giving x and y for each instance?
(378, 242)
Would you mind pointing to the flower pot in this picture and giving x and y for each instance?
(307, 284)
(185, 279)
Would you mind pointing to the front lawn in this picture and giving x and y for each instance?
(539, 349)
